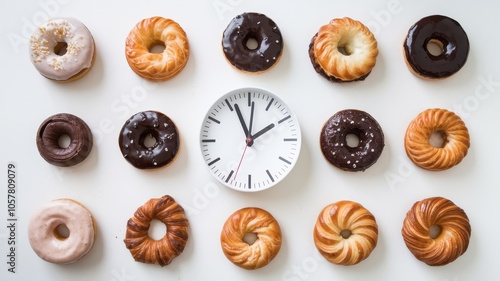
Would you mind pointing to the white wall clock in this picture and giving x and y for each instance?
(250, 139)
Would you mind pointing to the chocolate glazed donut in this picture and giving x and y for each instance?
(154, 125)
(333, 140)
(252, 26)
(57, 126)
(444, 32)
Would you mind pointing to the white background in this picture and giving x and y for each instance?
(112, 189)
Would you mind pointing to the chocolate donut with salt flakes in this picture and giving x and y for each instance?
(153, 125)
(260, 28)
(334, 146)
(444, 32)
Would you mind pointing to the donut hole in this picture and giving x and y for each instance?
(61, 232)
(61, 48)
(250, 238)
(343, 50)
(148, 139)
(435, 47)
(157, 47)
(157, 230)
(352, 140)
(64, 141)
(346, 233)
(345, 45)
(438, 139)
(435, 231)
(251, 41)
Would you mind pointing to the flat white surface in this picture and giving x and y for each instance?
(112, 189)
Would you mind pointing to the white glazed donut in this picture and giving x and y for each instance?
(46, 240)
(71, 64)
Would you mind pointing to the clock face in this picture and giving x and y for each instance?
(250, 139)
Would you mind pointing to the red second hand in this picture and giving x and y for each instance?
(241, 159)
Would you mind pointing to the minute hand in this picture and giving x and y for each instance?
(242, 122)
(263, 131)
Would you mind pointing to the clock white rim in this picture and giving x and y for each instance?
(291, 112)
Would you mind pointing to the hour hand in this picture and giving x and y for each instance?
(263, 131)
(242, 122)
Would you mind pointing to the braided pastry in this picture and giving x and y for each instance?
(455, 136)
(263, 250)
(355, 39)
(451, 242)
(154, 31)
(345, 233)
(163, 251)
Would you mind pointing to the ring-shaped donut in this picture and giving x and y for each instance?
(147, 250)
(334, 145)
(51, 245)
(57, 126)
(444, 32)
(62, 49)
(345, 233)
(157, 31)
(154, 125)
(454, 134)
(263, 250)
(451, 242)
(260, 28)
(343, 50)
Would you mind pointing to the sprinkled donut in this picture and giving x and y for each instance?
(57, 126)
(345, 233)
(263, 250)
(454, 133)
(343, 50)
(260, 28)
(51, 244)
(444, 32)
(452, 239)
(62, 49)
(157, 31)
(157, 127)
(334, 146)
(147, 250)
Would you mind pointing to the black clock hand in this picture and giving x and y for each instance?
(263, 131)
(251, 120)
(249, 140)
(242, 122)
(250, 126)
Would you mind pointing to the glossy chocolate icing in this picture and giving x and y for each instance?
(334, 146)
(452, 37)
(56, 126)
(252, 26)
(142, 125)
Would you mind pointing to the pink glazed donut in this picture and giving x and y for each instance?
(46, 238)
